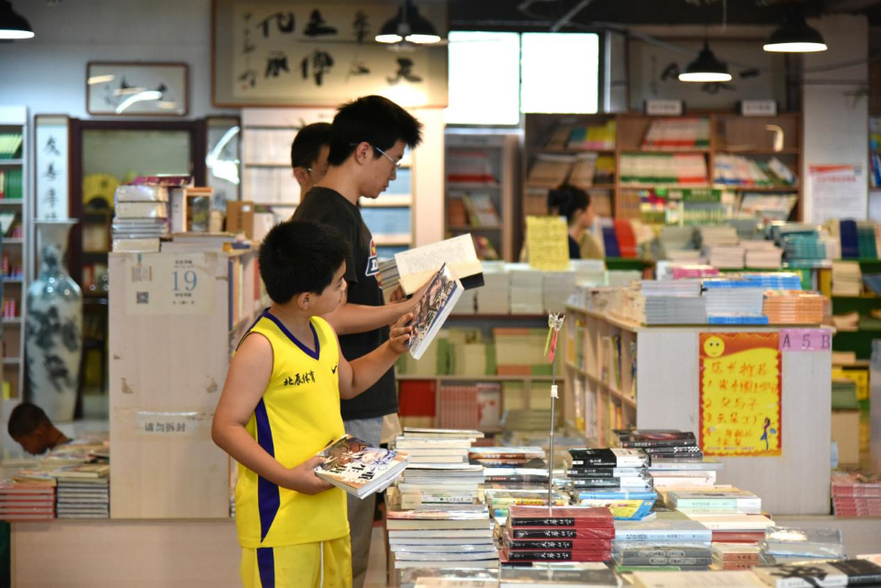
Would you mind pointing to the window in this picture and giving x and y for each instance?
(484, 78)
(559, 72)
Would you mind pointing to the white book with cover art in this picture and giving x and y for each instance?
(358, 468)
(433, 308)
(416, 266)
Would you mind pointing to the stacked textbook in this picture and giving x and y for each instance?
(27, 500)
(543, 534)
(615, 478)
(83, 491)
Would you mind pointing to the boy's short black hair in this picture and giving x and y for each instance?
(374, 119)
(25, 419)
(300, 256)
(308, 143)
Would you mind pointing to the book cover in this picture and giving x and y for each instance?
(630, 458)
(598, 555)
(583, 533)
(358, 468)
(433, 309)
(416, 266)
(573, 516)
(541, 577)
(850, 572)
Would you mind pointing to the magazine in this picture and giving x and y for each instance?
(358, 468)
(433, 308)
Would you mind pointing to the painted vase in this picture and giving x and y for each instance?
(54, 332)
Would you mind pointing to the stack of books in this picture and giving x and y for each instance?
(441, 536)
(557, 287)
(783, 545)
(615, 478)
(734, 302)
(856, 495)
(670, 302)
(495, 296)
(448, 577)
(804, 249)
(793, 307)
(500, 499)
(684, 472)
(31, 498)
(493, 457)
(678, 133)
(762, 254)
(664, 532)
(527, 291)
(141, 217)
(543, 534)
(717, 236)
(551, 574)
(734, 556)
(847, 278)
(726, 257)
(774, 280)
(727, 519)
(711, 501)
(672, 288)
(83, 491)
(439, 472)
(685, 555)
(655, 169)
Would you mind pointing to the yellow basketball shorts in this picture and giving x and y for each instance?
(327, 564)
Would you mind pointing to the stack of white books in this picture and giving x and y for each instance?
(847, 278)
(726, 256)
(557, 287)
(495, 296)
(141, 217)
(527, 290)
(733, 298)
(718, 236)
(762, 254)
(671, 473)
(83, 498)
(674, 288)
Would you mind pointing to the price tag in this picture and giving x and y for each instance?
(664, 107)
(169, 284)
(805, 340)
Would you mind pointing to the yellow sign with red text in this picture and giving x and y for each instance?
(740, 394)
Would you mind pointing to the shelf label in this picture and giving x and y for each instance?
(758, 107)
(664, 107)
(169, 284)
(168, 424)
(805, 340)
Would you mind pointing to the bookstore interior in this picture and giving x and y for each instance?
(621, 296)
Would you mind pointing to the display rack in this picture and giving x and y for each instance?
(481, 168)
(666, 372)
(14, 167)
(165, 465)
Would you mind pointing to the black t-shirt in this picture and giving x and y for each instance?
(328, 206)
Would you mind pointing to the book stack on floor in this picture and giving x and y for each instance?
(793, 307)
(784, 545)
(847, 278)
(615, 478)
(441, 536)
(569, 533)
(856, 495)
(439, 472)
(848, 572)
(27, 497)
(734, 301)
(83, 491)
(735, 556)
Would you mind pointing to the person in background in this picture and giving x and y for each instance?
(31, 428)
(367, 143)
(309, 155)
(574, 203)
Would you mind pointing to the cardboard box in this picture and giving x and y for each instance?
(240, 217)
(846, 432)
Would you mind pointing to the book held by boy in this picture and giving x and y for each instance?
(358, 468)
(417, 266)
(433, 308)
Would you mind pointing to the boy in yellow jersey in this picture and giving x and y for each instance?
(281, 405)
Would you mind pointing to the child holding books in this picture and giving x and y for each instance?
(281, 405)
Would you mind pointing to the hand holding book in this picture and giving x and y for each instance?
(302, 478)
(399, 337)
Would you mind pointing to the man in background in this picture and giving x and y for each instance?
(31, 428)
(309, 153)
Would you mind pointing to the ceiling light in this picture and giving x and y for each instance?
(795, 36)
(706, 68)
(410, 26)
(13, 25)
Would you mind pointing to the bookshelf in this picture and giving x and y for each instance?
(189, 347)
(633, 154)
(14, 185)
(481, 177)
(660, 390)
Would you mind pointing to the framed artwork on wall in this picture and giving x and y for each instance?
(137, 89)
(321, 55)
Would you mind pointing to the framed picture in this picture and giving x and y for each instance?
(137, 89)
(320, 55)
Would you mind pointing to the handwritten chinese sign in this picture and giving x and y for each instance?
(169, 283)
(547, 243)
(51, 186)
(300, 54)
(740, 388)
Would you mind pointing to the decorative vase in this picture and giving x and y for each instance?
(53, 336)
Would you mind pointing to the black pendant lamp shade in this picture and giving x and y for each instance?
(13, 25)
(408, 25)
(706, 68)
(795, 36)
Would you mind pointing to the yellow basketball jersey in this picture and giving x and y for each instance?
(297, 417)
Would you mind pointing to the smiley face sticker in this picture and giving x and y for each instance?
(714, 347)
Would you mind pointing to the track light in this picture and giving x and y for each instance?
(795, 36)
(13, 26)
(706, 68)
(408, 25)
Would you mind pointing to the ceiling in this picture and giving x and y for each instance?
(540, 15)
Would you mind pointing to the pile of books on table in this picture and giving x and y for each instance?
(674, 302)
(542, 534)
(675, 458)
(670, 539)
(141, 217)
(614, 478)
(762, 254)
(726, 257)
(856, 495)
(847, 278)
(735, 556)
(83, 491)
(783, 545)
(734, 301)
(29, 496)
(789, 307)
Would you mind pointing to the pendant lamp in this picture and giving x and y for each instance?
(706, 68)
(795, 36)
(13, 26)
(408, 25)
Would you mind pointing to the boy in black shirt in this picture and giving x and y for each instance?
(368, 139)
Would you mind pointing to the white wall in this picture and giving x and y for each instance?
(48, 72)
(836, 116)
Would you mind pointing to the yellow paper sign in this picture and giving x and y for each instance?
(547, 241)
(740, 412)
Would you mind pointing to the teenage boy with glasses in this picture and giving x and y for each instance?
(368, 139)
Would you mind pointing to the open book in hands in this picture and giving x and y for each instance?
(358, 468)
(433, 308)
